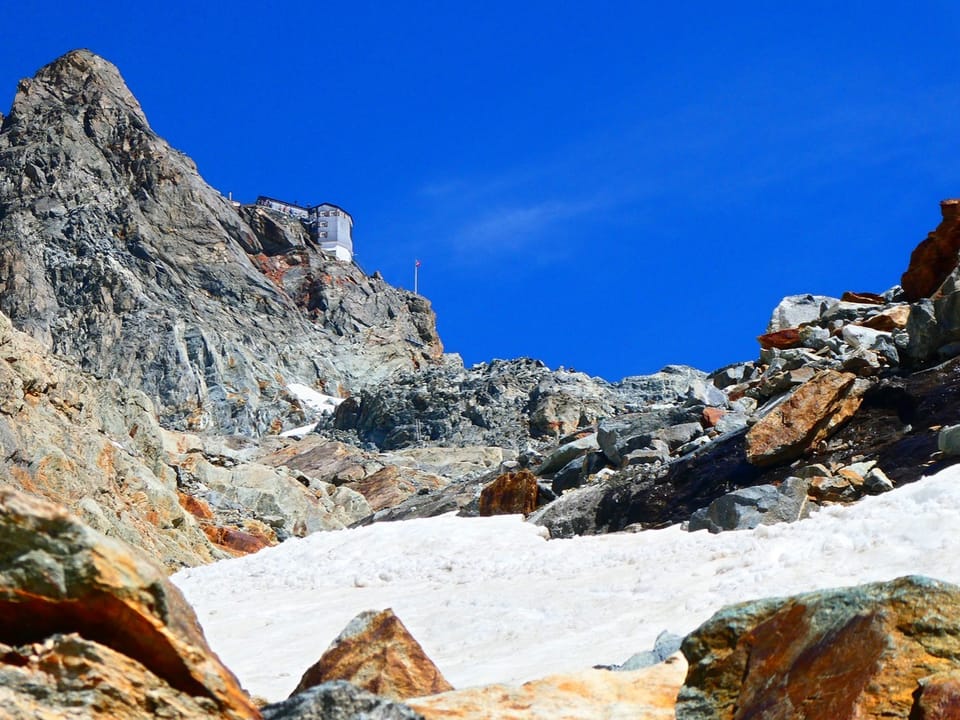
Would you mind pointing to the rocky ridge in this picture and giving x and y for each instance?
(115, 252)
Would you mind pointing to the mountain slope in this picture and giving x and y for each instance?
(114, 251)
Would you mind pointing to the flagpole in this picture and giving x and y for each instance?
(416, 276)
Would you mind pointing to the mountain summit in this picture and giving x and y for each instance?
(114, 251)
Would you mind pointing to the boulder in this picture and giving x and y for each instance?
(938, 697)
(814, 411)
(510, 493)
(848, 653)
(567, 452)
(932, 261)
(649, 693)
(948, 440)
(338, 700)
(747, 508)
(378, 654)
(781, 339)
(795, 310)
(83, 616)
(633, 431)
(876, 482)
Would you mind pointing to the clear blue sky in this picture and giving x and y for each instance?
(609, 186)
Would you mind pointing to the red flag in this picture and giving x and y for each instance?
(417, 263)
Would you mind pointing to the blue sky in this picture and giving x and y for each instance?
(608, 186)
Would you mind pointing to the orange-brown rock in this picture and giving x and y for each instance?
(712, 415)
(78, 608)
(849, 653)
(935, 258)
(938, 698)
(195, 506)
(814, 411)
(377, 653)
(866, 298)
(894, 318)
(235, 541)
(650, 694)
(511, 493)
(781, 339)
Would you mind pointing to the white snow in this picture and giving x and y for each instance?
(299, 432)
(491, 600)
(314, 399)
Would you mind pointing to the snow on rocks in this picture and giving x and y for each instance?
(491, 600)
(314, 399)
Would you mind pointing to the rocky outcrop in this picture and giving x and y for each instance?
(649, 694)
(864, 652)
(115, 252)
(376, 653)
(238, 491)
(95, 447)
(86, 621)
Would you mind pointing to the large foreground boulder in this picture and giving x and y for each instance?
(88, 623)
(861, 652)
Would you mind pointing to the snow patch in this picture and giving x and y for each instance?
(314, 399)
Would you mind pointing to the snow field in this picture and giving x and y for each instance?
(492, 600)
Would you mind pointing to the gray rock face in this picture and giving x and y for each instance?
(338, 700)
(502, 403)
(114, 251)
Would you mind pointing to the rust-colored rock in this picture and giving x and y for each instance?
(848, 653)
(235, 541)
(935, 258)
(92, 602)
(938, 698)
(814, 411)
(650, 694)
(712, 415)
(509, 494)
(865, 298)
(195, 506)
(781, 339)
(378, 654)
(894, 318)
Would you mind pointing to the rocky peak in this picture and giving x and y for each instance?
(114, 251)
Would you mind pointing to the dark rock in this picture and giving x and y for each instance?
(634, 431)
(747, 508)
(852, 652)
(563, 454)
(338, 700)
(938, 697)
